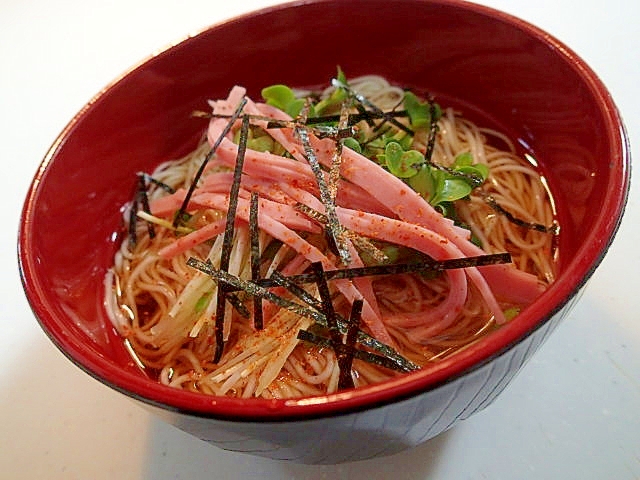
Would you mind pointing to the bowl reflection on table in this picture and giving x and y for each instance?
(498, 69)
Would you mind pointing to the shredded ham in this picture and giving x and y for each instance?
(371, 202)
(506, 282)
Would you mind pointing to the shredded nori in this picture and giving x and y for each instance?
(141, 197)
(255, 258)
(433, 130)
(133, 221)
(283, 281)
(391, 356)
(333, 224)
(399, 268)
(363, 338)
(336, 161)
(150, 179)
(227, 241)
(346, 350)
(360, 242)
(254, 289)
(327, 302)
(237, 303)
(144, 200)
(518, 221)
(370, 357)
(183, 208)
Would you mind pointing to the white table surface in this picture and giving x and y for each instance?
(572, 413)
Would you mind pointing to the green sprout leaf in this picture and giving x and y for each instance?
(282, 97)
(419, 112)
(452, 189)
(400, 163)
(353, 144)
(463, 159)
(338, 96)
(423, 182)
(476, 174)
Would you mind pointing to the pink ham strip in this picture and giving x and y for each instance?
(221, 182)
(429, 243)
(193, 239)
(286, 214)
(274, 167)
(264, 166)
(413, 236)
(506, 281)
(349, 194)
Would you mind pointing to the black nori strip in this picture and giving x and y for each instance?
(354, 323)
(320, 131)
(378, 134)
(336, 159)
(370, 357)
(398, 268)
(433, 130)
(367, 103)
(254, 289)
(327, 303)
(183, 208)
(236, 303)
(354, 118)
(311, 213)
(358, 241)
(254, 237)
(347, 349)
(133, 221)
(518, 221)
(282, 281)
(144, 200)
(322, 219)
(271, 250)
(474, 180)
(158, 183)
(227, 242)
(333, 224)
(336, 133)
(365, 245)
(363, 112)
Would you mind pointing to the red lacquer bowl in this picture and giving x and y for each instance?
(501, 70)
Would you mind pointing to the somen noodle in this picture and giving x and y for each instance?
(226, 281)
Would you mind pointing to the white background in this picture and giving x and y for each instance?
(573, 412)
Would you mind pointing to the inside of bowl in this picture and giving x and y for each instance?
(499, 70)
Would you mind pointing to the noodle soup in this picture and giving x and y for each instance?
(325, 240)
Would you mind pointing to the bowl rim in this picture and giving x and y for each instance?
(395, 390)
